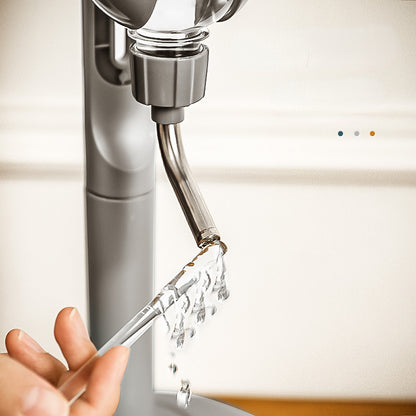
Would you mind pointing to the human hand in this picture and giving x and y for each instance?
(30, 377)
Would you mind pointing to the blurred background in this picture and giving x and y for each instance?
(305, 150)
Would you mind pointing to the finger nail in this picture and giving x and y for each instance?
(42, 402)
(29, 342)
(78, 324)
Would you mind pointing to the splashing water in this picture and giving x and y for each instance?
(185, 303)
(207, 272)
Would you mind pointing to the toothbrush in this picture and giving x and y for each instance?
(189, 283)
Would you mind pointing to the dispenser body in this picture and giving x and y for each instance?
(119, 143)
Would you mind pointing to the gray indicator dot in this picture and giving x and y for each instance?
(356, 133)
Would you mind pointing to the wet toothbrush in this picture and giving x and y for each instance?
(192, 292)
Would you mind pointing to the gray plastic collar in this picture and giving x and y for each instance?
(168, 82)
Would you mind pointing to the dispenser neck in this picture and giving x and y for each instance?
(171, 44)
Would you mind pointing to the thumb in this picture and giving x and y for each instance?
(23, 392)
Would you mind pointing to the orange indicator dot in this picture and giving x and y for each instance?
(372, 133)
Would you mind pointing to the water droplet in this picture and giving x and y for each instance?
(206, 282)
(173, 368)
(211, 309)
(199, 303)
(183, 398)
(180, 339)
(166, 321)
(200, 316)
(179, 325)
(219, 282)
(191, 332)
(183, 304)
(223, 293)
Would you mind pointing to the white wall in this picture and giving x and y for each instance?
(321, 229)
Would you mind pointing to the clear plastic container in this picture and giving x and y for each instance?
(168, 15)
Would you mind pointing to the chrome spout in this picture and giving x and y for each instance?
(187, 192)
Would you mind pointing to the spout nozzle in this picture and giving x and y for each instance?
(207, 236)
(193, 205)
(168, 115)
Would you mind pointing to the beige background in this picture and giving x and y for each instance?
(321, 230)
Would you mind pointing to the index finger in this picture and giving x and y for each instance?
(72, 338)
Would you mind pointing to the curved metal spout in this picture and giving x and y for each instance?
(186, 190)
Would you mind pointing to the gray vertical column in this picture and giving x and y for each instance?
(119, 139)
(119, 249)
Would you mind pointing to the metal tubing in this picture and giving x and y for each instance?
(186, 190)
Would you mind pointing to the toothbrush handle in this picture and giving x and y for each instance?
(75, 386)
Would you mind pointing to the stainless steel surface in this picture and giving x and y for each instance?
(187, 191)
(165, 405)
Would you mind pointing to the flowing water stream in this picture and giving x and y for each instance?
(207, 271)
